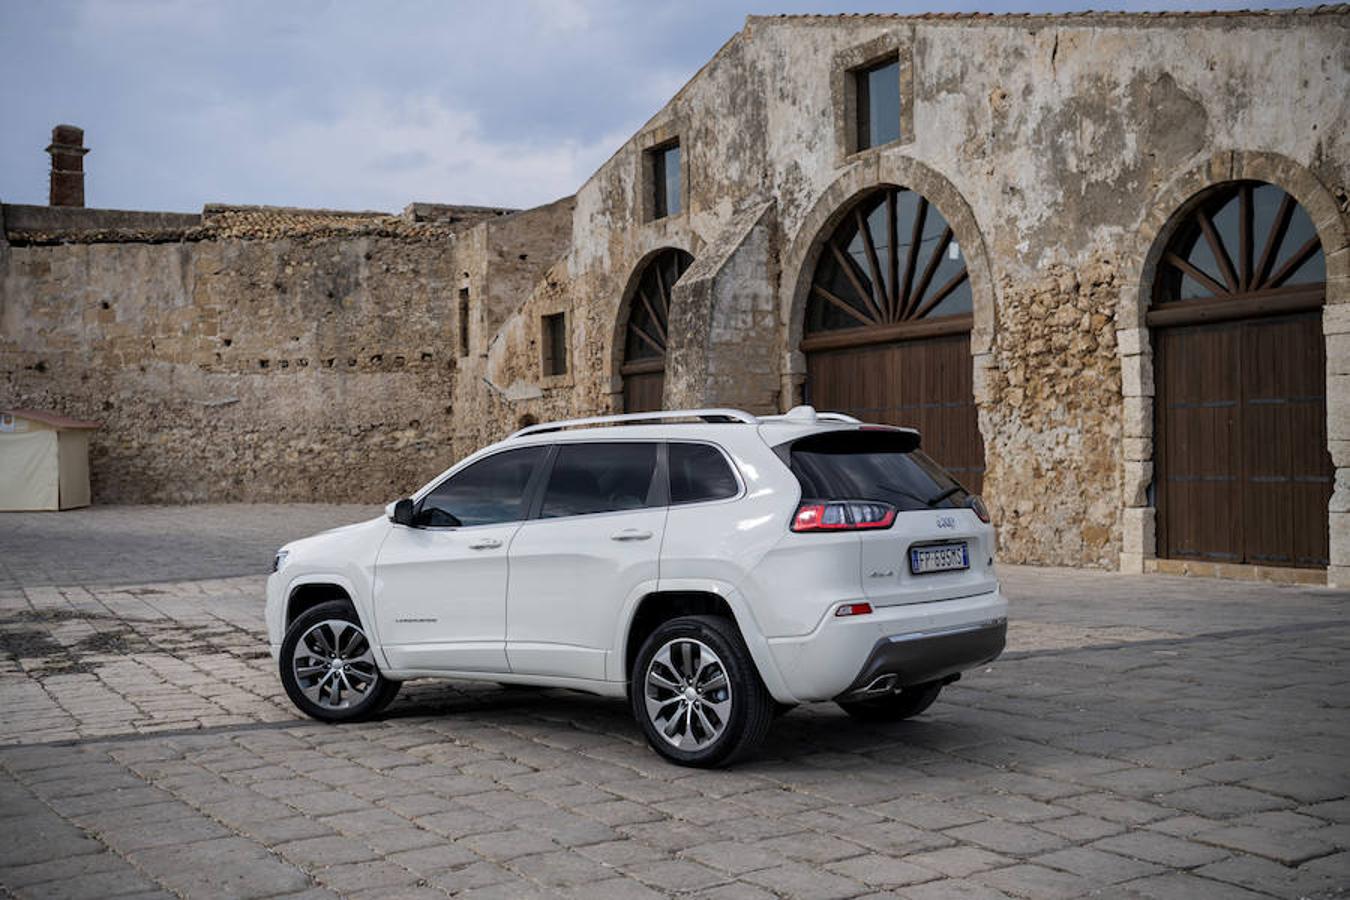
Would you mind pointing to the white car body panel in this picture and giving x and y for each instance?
(553, 602)
(570, 577)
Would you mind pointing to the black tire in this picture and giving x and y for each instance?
(751, 708)
(343, 705)
(905, 703)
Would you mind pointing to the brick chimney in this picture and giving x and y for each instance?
(67, 150)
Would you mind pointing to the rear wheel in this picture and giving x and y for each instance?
(697, 695)
(903, 704)
(328, 666)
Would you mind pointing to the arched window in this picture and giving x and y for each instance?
(1243, 238)
(887, 329)
(892, 260)
(1241, 468)
(645, 337)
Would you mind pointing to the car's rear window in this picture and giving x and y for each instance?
(862, 465)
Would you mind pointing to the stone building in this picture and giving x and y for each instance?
(1101, 260)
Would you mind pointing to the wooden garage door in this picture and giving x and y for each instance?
(924, 384)
(1242, 474)
(887, 330)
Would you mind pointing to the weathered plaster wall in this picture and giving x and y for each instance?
(1045, 140)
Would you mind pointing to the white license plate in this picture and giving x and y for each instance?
(941, 558)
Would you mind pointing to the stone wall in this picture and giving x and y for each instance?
(249, 354)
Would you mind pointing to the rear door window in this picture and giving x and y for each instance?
(699, 472)
(859, 465)
(599, 477)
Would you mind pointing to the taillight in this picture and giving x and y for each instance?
(981, 510)
(843, 515)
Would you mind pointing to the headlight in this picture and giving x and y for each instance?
(279, 561)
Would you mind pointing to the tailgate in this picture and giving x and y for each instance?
(942, 537)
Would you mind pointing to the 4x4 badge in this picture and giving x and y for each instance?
(946, 522)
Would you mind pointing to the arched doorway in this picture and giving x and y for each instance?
(1242, 469)
(887, 330)
(648, 317)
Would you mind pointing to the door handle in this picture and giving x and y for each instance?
(485, 544)
(630, 534)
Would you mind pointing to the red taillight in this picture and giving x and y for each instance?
(854, 609)
(980, 509)
(843, 515)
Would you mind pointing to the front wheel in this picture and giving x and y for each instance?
(328, 666)
(697, 695)
(903, 704)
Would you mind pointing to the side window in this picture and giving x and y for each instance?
(595, 478)
(699, 472)
(488, 492)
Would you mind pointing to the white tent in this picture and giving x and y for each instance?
(44, 460)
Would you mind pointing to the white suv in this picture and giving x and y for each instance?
(713, 567)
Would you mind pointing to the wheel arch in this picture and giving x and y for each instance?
(675, 599)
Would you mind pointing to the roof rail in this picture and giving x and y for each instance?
(735, 415)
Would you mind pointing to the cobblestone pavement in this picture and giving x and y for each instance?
(1144, 737)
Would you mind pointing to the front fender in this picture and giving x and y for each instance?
(365, 613)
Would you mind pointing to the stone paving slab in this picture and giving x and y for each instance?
(1143, 737)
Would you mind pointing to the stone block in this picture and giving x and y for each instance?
(1338, 407)
(1132, 564)
(1138, 449)
(1338, 353)
(1136, 376)
(1132, 341)
(1138, 475)
(1338, 576)
(1138, 531)
(1137, 416)
(1340, 538)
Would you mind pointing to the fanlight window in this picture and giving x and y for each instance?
(650, 306)
(893, 259)
(1245, 238)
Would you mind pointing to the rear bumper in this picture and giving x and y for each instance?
(904, 660)
(921, 641)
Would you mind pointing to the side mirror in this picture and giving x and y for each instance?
(403, 513)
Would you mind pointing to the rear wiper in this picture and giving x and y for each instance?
(954, 489)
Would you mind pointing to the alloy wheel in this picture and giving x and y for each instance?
(688, 694)
(333, 664)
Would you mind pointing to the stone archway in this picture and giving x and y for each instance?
(1170, 208)
(623, 308)
(820, 221)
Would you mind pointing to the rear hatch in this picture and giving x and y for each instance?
(936, 546)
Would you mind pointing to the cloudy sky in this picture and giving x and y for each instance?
(358, 105)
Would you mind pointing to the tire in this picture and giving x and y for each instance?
(731, 710)
(317, 687)
(903, 704)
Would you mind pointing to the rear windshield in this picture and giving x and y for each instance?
(862, 465)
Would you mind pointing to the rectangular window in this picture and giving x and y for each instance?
(595, 478)
(464, 321)
(553, 340)
(699, 472)
(878, 90)
(666, 181)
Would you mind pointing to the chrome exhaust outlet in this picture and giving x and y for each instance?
(883, 684)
